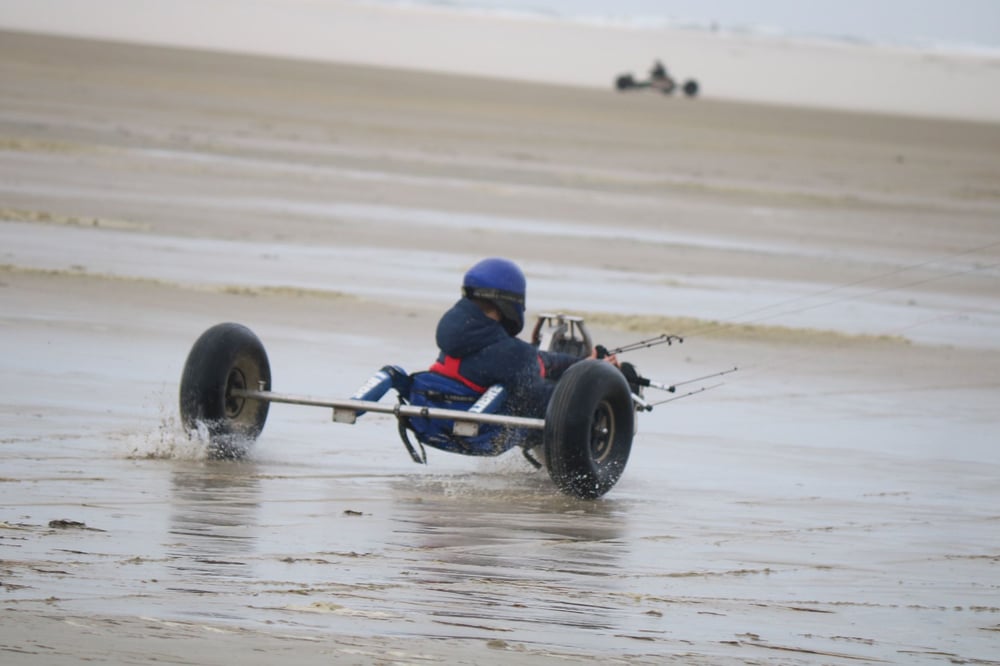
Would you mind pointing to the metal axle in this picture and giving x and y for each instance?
(345, 411)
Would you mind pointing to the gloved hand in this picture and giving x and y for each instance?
(601, 353)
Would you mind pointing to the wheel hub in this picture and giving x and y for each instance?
(234, 405)
(602, 433)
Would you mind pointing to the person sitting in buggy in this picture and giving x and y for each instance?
(479, 349)
(658, 71)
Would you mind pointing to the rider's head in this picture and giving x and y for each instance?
(501, 283)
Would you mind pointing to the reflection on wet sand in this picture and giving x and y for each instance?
(516, 557)
(213, 522)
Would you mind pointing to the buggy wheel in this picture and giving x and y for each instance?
(691, 88)
(225, 357)
(589, 426)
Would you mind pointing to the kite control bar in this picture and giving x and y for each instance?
(636, 380)
(667, 338)
(672, 388)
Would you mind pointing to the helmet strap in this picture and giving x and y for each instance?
(490, 294)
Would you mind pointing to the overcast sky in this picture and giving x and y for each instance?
(938, 22)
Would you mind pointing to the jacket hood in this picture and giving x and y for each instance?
(465, 329)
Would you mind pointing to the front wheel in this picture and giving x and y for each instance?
(589, 426)
(224, 358)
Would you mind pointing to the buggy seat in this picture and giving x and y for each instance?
(430, 389)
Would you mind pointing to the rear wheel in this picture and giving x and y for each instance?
(624, 82)
(691, 88)
(588, 429)
(226, 357)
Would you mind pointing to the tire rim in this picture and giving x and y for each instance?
(234, 405)
(602, 433)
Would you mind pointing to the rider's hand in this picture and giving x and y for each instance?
(610, 358)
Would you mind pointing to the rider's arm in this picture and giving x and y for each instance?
(556, 363)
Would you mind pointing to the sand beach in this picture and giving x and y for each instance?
(407, 36)
(834, 501)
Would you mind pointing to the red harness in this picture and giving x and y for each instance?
(450, 368)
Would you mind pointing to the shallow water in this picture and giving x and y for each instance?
(790, 512)
(734, 540)
(402, 275)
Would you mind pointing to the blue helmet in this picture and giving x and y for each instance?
(502, 283)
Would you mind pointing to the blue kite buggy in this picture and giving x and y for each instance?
(584, 439)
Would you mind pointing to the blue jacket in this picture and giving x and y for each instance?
(488, 355)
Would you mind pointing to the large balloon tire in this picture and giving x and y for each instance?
(589, 425)
(225, 357)
(691, 88)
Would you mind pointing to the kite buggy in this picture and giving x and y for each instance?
(658, 80)
(584, 440)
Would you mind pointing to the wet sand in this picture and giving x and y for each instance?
(834, 501)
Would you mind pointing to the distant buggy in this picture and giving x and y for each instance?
(658, 80)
